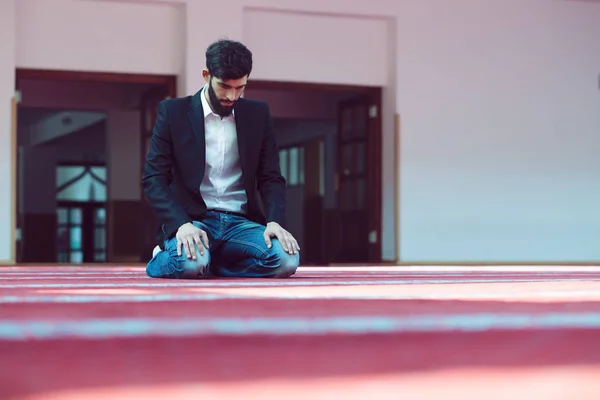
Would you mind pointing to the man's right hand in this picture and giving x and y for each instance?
(187, 235)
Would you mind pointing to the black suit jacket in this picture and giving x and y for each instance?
(175, 162)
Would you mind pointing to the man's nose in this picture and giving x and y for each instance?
(230, 95)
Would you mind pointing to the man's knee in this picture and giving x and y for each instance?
(288, 266)
(285, 264)
(168, 264)
(190, 268)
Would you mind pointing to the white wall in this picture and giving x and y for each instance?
(501, 130)
(499, 104)
(100, 36)
(311, 57)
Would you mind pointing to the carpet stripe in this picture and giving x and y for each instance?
(288, 282)
(592, 295)
(118, 298)
(135, 275)
(147, 327)
(329, 269)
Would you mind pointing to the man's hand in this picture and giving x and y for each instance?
(187, 235)
(286, 239)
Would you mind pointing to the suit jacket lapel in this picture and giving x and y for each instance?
(196, 116)
(241, 128)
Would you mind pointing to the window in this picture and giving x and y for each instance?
(81, 213)
(81, 183)
(291, 162)
(70, 221)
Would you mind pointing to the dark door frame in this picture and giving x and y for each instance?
(89, 76)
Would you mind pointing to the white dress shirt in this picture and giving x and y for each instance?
(222, 187)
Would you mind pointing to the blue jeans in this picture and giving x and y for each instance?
(237, 249)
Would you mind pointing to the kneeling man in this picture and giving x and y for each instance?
(209, 154)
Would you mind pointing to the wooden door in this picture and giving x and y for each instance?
(81, 234)
(314, 192)
(149, 109)
(357, 181)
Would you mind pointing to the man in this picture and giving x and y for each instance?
(209, 153)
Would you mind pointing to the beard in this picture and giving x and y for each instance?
(215, 103)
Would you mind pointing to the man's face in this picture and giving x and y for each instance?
(223, 95)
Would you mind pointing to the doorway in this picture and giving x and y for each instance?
(88, 136)
(331, 134)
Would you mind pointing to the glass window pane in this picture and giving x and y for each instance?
(66, 173)
(62, 215)
(76, 238)
(99, 239)
(100, 172)
(78, 190)
(86, 188)
(76, 257)
(283, 163)
(100, 216)
(75, 215)
(293, 166)
(100, 256)
(98, 191)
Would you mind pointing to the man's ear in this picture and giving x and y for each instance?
(206, 75)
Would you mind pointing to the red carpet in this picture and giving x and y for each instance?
(326, 333)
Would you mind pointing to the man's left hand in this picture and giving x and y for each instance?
(288, 242)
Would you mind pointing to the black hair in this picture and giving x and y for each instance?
(228, 59)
